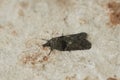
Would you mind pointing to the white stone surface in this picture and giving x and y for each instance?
(24, 23)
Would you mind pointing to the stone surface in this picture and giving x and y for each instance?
(26, 24)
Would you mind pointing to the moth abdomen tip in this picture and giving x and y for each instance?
(89, 46)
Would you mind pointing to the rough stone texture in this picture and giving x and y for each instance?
(115, 12)
(24, 23)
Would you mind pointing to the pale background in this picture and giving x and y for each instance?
(24, 23)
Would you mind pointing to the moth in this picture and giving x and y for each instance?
(69, 42)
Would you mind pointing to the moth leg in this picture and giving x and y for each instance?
(50, 51)
(62, 34)
(66, 48)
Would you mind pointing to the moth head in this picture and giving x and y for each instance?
(49, 43)
(46, 44)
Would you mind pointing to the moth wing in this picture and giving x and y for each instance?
(82, 35)
(79, 45)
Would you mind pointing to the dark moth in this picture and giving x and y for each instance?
(69, 42)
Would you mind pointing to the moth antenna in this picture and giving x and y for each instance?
(45, 39)
(62, 34)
